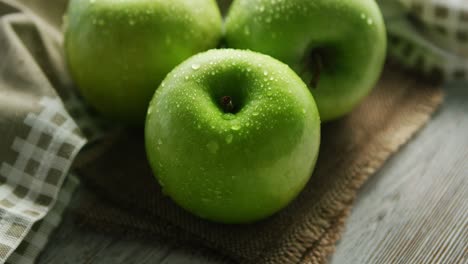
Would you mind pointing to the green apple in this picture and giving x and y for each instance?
(119, 51)
(338, 47)
(232, 136)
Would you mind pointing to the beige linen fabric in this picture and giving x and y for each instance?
(124, 197)
(39, 139)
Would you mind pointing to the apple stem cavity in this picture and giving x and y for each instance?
(313, 62)
(317, 67)
(227, 104)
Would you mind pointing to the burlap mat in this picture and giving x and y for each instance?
(125, 198)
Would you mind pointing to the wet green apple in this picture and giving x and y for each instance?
(119, 51)
(232, 136)
(337, 46)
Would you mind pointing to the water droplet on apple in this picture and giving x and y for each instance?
(236, 127)
(265, 73)
(92, 1)
(229, 139)
(304, 111)
(195, 66)
(160, 142)
(262, 8)
(370, 21)
(131, 22)
(229, 116)
(255, 113)
(213, 147)
(246, 30)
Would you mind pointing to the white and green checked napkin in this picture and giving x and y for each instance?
(41, 124)
(42, 120)
(429, 36)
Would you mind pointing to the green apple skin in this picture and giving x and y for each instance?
(118, 52)
(234, 167)
(348, 34)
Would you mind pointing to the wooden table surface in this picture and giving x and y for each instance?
(414, 210)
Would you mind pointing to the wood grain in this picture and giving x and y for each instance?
(415, 210)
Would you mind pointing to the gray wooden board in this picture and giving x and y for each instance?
(415, 210)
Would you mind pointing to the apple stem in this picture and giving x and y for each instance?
(226, 104)
(317, 67)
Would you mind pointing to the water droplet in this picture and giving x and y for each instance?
(265, 73)
(195, 66)
(213, 147)
(131, 22)
(236, 127)
(229, 139)
(229, 116)
(160, 142)
(370, 21)
(255, 113)
(262, 8)
(246, 30)
(304, 111)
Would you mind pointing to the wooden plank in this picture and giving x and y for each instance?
(71, 245)
(413, 211)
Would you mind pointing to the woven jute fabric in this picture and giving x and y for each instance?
(124, 197)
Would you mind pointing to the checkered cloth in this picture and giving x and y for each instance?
(43, 121)
(429, 36)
